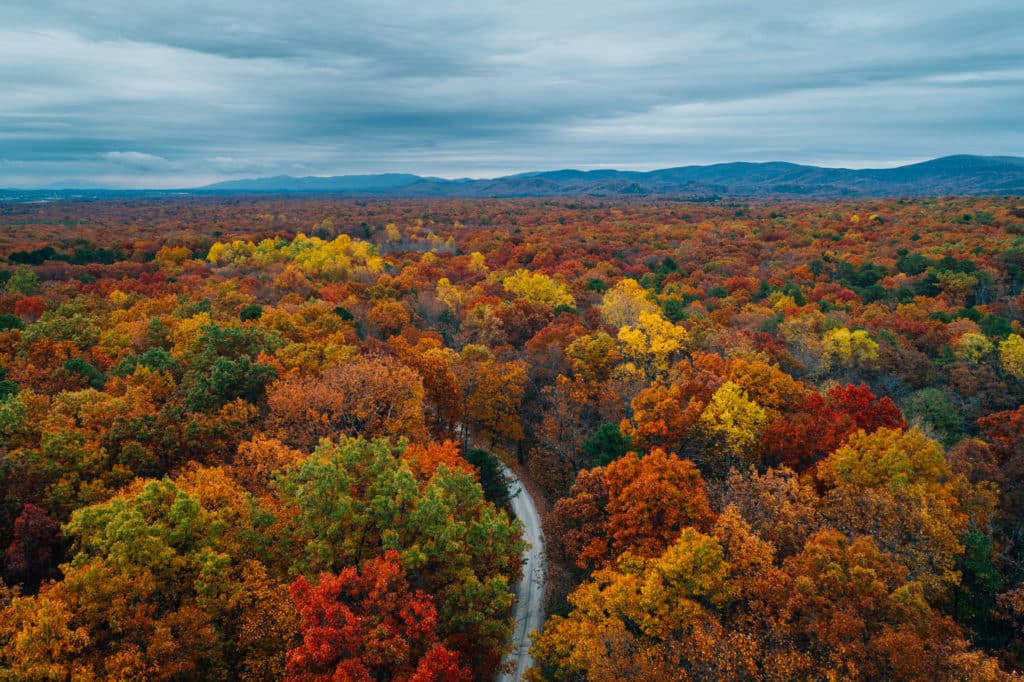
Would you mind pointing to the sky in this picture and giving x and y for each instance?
(170, 94)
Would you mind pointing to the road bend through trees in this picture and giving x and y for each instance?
(529, 606)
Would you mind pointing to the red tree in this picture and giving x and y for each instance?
(823, 423)
(33, 555)
(369, 626)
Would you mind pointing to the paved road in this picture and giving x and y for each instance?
(529, 606)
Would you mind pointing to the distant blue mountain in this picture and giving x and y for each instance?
(951, 175)
(948, 176)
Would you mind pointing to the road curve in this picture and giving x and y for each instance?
(529, 606)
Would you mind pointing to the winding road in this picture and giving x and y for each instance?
(529, 606)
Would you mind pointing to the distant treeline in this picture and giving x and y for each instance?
(83, 255)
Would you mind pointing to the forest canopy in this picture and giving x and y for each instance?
(247, 439)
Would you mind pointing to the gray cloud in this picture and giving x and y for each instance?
(111, 92)
(137, 160)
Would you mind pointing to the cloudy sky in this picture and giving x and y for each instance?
(139, 93)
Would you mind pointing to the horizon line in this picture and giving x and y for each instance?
(66, 186)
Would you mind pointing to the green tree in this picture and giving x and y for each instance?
(351, 501)
(606, 445)
(22, 281)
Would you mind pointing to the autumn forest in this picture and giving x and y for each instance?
(260, 438)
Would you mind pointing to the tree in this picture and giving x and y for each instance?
(170, 258)
(388, 317)
(635, 504)
(425, 460)
(593, 357)
(972, 347)
(22, 281)
(721, 606)
(35, 551)
(606, 445)
(898, 488)
(153, 585)
(477, 262)
(1004, 433)
(538, 288)
(29, 308)
(849, 350)
(768, 386)
(222, 366)
(369, 625)
(89, 373)
(569, 414)
(38, 640)
(853, 611)
(624, 302)
(493, 392)
(352, 501)
(650, 617)
(259, 459)
(652, 342)
(522, 320)
(1011, 355)
(779, 506)
(436, 367)
(665, 412)
(823, 423)
(493, 480)
(932, 408)
(730, 425)
(958, 285)
(868, 411)
(371, 396)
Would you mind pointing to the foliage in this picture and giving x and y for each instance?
(607, 445)
(187, 389)
(365, 396)
(368, 625)
(733, 423)
(352, 501)
(538, 288)
(635, 504)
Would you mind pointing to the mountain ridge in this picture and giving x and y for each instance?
(958, 175)
(950, 175)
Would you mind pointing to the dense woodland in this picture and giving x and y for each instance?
(256, 438)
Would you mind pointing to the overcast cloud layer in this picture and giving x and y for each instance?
(183, 93)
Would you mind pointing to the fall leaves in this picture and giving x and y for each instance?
(195, 576)
(365, 396)
(851, 585)
(236, 438)
(387, 632)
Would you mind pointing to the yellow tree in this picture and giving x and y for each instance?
(973, 347)
(449, 295)
(898, 488)
(593, 357)
(477, 262)
(650, 619)
(731, 425)
(652, 343)
(848, 349)
(958, 285)
(538, 288)
(623, 303)
(170, 258)
(1011, 356)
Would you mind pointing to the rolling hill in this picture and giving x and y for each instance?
(951, 175)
